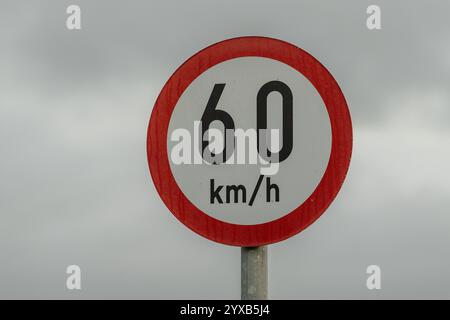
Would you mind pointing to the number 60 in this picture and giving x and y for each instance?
(212, 114)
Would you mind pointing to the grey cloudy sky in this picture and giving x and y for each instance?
(75, 186)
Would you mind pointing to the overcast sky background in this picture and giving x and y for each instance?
(74, 181)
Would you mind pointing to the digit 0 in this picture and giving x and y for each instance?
(261, 117)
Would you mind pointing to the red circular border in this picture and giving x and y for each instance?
(301, 217)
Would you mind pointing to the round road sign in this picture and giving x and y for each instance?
(249, 141)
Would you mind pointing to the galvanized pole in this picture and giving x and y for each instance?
(254, 273)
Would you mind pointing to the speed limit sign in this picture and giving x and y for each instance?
(249, 141)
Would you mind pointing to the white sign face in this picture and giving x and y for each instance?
(245, 95)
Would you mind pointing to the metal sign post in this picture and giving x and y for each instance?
(254, 273)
